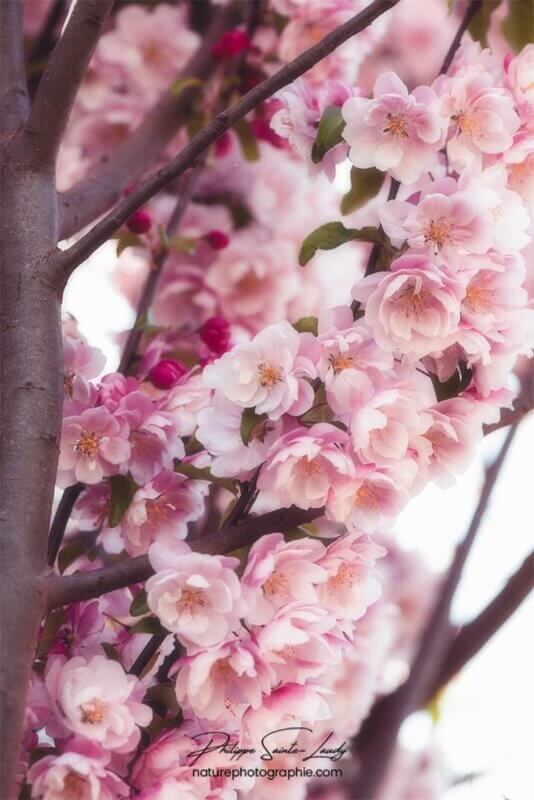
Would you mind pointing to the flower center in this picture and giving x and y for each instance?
(396, 126)
(270, 374)
(156, 511)
(74, 786)
(438, 231)
(413, 300)
(191, 599)
(365, 497)
(276, 584)
(308, 468)
(94, 711)
(467, 123)
(521, 173)
(476, 296)
(341, 361)
(345, 577)
(87, 444)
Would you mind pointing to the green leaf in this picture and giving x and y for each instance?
(164, 695)
(204, 474)
(180, 84)
(110, 651)
(182, 244)
(122, 491)
(328, 133)
(71, 551)
(332, 235)
(251, 423)
(139, 605)
(195, 122)
(320, 410)
(518, 25)
(247, 140)
(127, 239)
(306, 325)
(149, 625)
(53, 623)
(364, 184)
(479, 25)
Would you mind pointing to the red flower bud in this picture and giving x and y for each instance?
(215, 333)
(166, 373)
(217, 240)
(139, 222)
(230, 44)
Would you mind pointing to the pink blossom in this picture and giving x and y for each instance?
(301, 642)
(152, 45)
(347, 346)
(448, 223)
(220, 683)
(219, 430)
(159, 510)
(81, 363)
(80, 772)
(91, 509)
(164, 757)
(114, 387)
(93, 445)
(268, 374)
(280, 572)
(494, 293)
(96, 699)
(396, 131)
(374, 500)
(252, 278)
(290, 705)
(413, 308)
(82, 632)
(454, 433)
(520, 78)
(481, 114)
(153, 437)
(352, 585)
(197, 597)
(307, 466)
(184, 401)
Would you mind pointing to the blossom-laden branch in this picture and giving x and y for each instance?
(85, 585)
(64, 262)
(375, 744)
(129, 160)
(63, 75)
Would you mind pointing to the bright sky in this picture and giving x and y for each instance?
(486, 724)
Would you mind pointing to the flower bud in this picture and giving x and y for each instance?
(139, 222)
(215, 333)
(166, 373)
(230, 44)
(217, 240)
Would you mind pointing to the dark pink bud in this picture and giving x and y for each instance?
(215, 333)
(166, 373)
(223, 145)
(230, 44)
(139, 222)
(217, 240)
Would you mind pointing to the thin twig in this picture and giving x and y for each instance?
(147, 653)
(61, 518)
(472, 9)
(64, 262)
(63, 76)
(66, 589)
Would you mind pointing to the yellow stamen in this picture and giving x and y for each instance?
(87, 444)
(396, 126)
(270, 374)
(93, 712)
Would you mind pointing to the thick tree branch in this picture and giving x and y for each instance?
(129, 160)
(375, 744)
(62, 77)
(66, 261)
(472, 637)
(85, 585)
(14, 100)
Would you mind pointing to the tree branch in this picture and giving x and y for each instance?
(473, 7)
(62, 77)
(43, 44)
(375, 744)
(14, 100)
(472, 637)
(66, 261)
(85, 585)
(129, 160)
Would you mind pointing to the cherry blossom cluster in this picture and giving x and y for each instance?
(256, 375)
